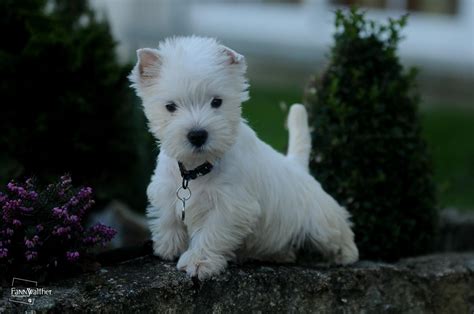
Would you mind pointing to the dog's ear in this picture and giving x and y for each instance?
(146, 71)
(237, 63)
(148, 62)
(233, 57)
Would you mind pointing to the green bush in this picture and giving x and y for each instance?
(368, 152)
(66, 105)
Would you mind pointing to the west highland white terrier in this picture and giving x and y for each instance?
(218, 192)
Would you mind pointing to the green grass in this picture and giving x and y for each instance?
(449, 133)
(266, 116)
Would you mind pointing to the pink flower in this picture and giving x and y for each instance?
(29, 244)
(72, 256)
(73, 219)
(58, 211)
(31, 255)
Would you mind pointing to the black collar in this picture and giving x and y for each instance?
(199, 171)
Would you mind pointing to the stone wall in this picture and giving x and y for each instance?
(441, 283)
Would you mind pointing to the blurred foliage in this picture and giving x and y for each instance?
(66, 105)
(449, 134)
(368, 150)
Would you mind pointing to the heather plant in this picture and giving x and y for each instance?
(43, 230)
(368, 150)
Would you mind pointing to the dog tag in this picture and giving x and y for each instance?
(183, 194)
(182, 209)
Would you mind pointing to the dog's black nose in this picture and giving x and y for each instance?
(197, 137)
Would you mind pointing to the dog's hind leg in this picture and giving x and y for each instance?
(329, 229)
(299, 146)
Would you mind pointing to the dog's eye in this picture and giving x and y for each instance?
(216, 102)
(171, 107)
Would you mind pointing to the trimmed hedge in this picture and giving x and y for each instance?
(368, 151)
(66, 105)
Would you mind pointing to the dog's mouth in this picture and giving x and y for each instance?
(199, 150)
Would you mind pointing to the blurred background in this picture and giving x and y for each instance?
(287, 41)
(67, 106)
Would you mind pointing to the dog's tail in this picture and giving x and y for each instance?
(299, 146)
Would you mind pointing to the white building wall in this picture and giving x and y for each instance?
(299, 30)
(298, 34)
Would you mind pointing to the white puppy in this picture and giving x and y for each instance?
(248, 201)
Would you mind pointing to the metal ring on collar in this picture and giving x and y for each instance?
(180, 194)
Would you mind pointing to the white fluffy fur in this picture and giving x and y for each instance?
(255, 203)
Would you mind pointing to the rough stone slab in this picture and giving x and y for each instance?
(441, 283)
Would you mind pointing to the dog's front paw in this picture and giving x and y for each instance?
(169, 246)
(201, 265)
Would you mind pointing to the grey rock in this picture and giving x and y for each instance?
(442, 283)
(456, 231)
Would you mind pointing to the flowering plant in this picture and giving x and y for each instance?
(43, 230)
